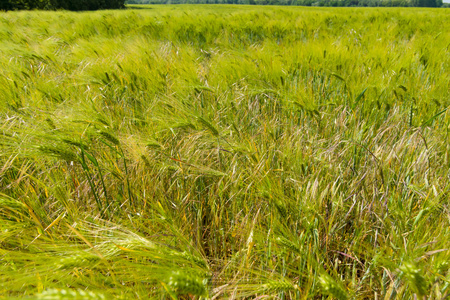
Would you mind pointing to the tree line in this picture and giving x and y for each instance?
(77, 5)
(74, 5)
(386, 3)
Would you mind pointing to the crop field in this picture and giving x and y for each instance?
(225, 152)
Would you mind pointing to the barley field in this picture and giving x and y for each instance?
(225, 152)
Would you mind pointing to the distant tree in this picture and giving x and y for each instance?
(425, 3)
(4, 5)
(25, 4)
(365, 3)
(88, 4)
(61, 4)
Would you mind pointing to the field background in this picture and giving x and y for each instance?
(224, 152)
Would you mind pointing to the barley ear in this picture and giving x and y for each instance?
(56, 294)
(279, 286)
(413, 276)
(331, 287)
(187, 284)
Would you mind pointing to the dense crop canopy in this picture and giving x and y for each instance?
(225, 152)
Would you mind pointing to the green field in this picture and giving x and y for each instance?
(225, 152)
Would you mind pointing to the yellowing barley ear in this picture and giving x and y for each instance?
(183, 284)
(413, 276)
(331, 287)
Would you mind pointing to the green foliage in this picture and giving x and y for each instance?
(199, 152)
(25, 4)
(61, 4)
(87, 4)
